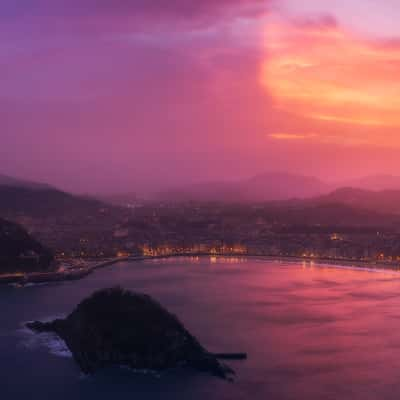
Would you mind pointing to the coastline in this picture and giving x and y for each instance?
(361, 264)
(80, 272)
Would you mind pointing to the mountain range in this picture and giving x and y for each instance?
(260, 188)
(290, 190)
(279, 186)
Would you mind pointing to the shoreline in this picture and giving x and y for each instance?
(344, 262)
(80, 272)
(361, 264)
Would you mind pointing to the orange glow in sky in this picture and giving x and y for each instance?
(325, 74)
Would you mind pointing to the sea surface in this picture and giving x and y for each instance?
(311, 332)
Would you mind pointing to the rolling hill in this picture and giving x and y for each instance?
(384, 201)
(375, 182)
(43, 201)
(260, 188)
(6, 180)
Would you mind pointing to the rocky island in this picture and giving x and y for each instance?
(117, 327)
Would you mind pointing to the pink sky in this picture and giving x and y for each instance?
(122, 95)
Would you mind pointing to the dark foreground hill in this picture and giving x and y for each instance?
(117, 327)
(43, 202)
(19, 252)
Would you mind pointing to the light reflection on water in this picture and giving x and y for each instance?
(312, 332)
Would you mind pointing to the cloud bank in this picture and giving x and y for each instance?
(117, 95)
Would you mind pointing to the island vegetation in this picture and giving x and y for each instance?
(117, 327)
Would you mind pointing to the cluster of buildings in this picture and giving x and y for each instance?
(165, 229)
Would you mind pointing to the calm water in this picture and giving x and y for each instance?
(310, 332)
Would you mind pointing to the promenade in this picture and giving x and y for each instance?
(81, 271)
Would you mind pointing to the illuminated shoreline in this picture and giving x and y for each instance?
(81, 272)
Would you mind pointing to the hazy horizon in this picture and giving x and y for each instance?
(377, 182)
(104, 97)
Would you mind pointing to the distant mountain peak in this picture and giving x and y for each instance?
(268, 186)
(376, 182)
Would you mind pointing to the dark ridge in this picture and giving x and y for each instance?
(19, 252)
(43, 202)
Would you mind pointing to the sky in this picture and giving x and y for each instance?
(104, 96)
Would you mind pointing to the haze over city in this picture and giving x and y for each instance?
(100, 96)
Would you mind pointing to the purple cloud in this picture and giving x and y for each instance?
(129, 90)
(204, 10)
